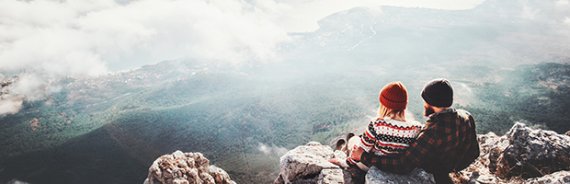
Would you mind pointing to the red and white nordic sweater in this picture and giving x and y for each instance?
(388, 136)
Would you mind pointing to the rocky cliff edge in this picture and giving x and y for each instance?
(522, 155)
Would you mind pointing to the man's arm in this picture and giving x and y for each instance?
(425, 143)
(472, 153)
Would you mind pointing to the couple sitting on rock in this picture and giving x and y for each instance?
(447, 143)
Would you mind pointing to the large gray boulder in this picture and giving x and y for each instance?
(185, 168)
(533, 153)
(522, 155)
(554, 178)
(417, 176)
(309, 164)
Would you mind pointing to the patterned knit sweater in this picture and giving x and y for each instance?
(386, 137)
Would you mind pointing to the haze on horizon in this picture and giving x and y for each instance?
(244, 81)
(43, 41)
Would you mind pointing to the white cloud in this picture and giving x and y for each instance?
(52, 39)
(27, 85)
(562, 2)
(10, 105)
(529, 12)
(89, 37)
(271, 150)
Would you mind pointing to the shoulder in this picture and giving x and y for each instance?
(404, 124)
(415, 123)
(377, 122)
(449, 115)
(464, 114)
(434, 118)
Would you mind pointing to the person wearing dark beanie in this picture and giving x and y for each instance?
(446, 144)
(438, 93)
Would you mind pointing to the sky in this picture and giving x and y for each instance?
(93, 37)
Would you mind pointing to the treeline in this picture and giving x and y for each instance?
(535, 94)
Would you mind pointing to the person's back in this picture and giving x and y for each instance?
(447, 143)
(388, 136)
(391, 133)
(457, 148)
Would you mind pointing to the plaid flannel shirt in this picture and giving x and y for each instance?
(447, 143)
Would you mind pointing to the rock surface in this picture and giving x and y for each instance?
(185, 168)
(557, 177)
(309, 164)
(417, 176)
(522, 155)
(533, 153)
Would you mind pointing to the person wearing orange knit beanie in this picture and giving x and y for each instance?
(389, 134)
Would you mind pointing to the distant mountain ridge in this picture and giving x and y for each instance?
(242, 117)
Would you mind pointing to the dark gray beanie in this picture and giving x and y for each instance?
(438, 93)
